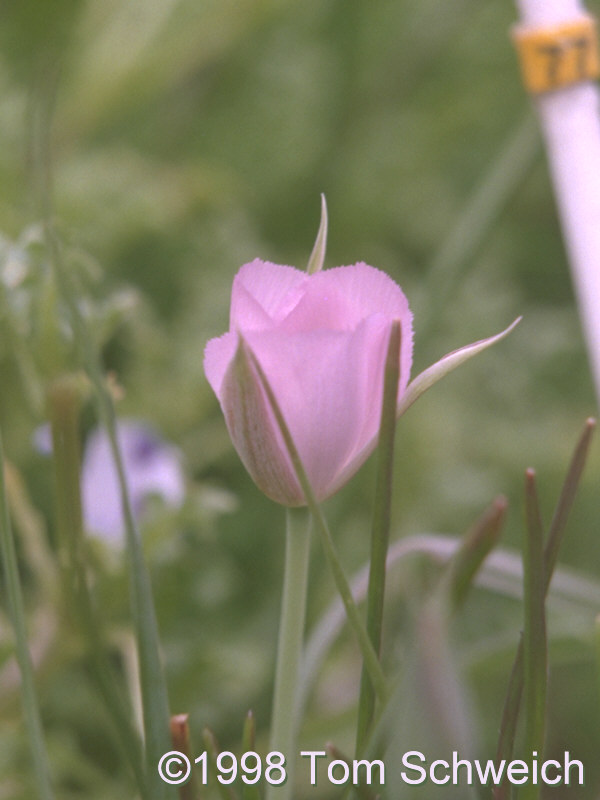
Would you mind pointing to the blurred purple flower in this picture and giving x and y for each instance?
(42, 439)
(152, 467)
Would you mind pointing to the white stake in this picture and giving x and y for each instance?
(570, 120)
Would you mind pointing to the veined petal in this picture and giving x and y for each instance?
(342, 297)
(328, 386)
(255, 433)
(274, 288)
(218, 355)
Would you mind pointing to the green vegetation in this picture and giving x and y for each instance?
(165, 144)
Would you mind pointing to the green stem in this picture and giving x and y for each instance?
(17, 613)
(152, 679)
(558, 524)
(289, 649)
(380, 531)
(534, 634)
(64, 404)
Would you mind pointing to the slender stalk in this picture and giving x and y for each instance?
(289, 649)
(250, 791)
(566, 499)
(474, 548)
(558, 524)
(534, 633)
(226, 791)
(152, 680)
(64, 400)
(153, 685)
(380, 530)
(247, 360)
(509, 721)
(17, 613)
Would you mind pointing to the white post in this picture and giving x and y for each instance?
(570, 120)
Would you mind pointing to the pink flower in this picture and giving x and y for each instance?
(321, 340)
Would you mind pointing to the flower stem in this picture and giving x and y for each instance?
(152, 678)
(64, 398)
(534, 636)
(291, 633)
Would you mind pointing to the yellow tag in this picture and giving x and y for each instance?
(558, 56)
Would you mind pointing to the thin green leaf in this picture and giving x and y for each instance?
(249, 791)
(501, 573)
(249, 732)
(557, 528)
(509, 721)
(534, 633)
(317, 257)
(430, 376)
(380, 530)
(474, 548)
(361, 788)
(17, 613)
(226, 791)
(64, 403)
(566, 499)
(152, 681)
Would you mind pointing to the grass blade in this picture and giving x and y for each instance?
(64, 404)
(153, 685)
(535, 648)
(380, 531)
(250, 791)
(557, 528)
(566, 499)
(17, 614)
(474, 548)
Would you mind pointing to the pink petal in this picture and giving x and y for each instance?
(321, 341)
(328, 385)
(218, 354)
(340, 298)
(255, 433)
(264, 292)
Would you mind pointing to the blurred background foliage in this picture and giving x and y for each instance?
(188, 138)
